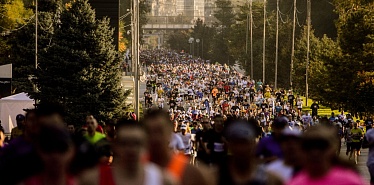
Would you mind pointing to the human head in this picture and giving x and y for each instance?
(91, 124)
(205, 123)
(241, 141)
(71, 128)
(319, 145)
(48, 114)
(130, 143)
(183, 128)
(55, 147)
(159, 129)
(291, 146)
(218, 123)
(20, 118)
(30, 122)
(278, 125)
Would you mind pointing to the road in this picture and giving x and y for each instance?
(361, 165)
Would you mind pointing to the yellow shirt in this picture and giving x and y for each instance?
(16, 132)
(95, 138)
(356, 134)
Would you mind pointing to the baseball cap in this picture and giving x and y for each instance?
(183, 127)
(240, 130)
(20, 117)
(287, 132)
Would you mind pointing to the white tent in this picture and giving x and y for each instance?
(11, 106)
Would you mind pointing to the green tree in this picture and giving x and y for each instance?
(14, 16)
(225, 19)
(178, 41)
(323, 53)
(205, 34)
(81, 68)
(355, 37)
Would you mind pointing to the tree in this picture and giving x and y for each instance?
(80, 69)
(355, 37)
(225, 19)
(178, 40)
(13, 17)
(22, 42)
(205, 34)
(323, 53)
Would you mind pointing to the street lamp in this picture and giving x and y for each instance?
(197, 41)
(191, 41)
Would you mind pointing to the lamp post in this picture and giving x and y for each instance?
(191, 41)
(197, 41)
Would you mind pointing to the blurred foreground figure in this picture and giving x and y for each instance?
(287, 167)
(321, 164)
(129, 167)
(160, 129)
(56, 150)
(241, 167)
(20, 156)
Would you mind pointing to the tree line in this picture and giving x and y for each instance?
(341, 66)
(78, 65)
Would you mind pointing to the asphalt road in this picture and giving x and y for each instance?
(361, 165)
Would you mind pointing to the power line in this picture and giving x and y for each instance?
(8, 30)
(297, 20)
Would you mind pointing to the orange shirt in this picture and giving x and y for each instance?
(214, 92)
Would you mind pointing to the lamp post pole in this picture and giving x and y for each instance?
(198, 41)
(136, 57)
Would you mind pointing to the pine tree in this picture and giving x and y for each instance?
(81, 68)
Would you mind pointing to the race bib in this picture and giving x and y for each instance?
(218, 147)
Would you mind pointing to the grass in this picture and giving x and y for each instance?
(322, 111)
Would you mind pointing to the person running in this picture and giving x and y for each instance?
(159, 128)
(356, 134)
(241, 166)
(55, 147)
(129, 147)
(321, 164)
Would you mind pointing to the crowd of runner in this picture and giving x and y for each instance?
(203, 123)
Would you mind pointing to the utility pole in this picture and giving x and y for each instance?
(251, 25)
(264, 45)
(246, 39)
(136, 57)
(36, 34)
(276, 48)
(293, 41)
(309, 7)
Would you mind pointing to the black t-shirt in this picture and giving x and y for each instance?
(201, 137)
(251, 92)
(264, 105)
(291, 97)
(314, 107)
(172, 103)
(245, 105)
(234, 107)
(149, 100)
(368, 124)
(279, 95)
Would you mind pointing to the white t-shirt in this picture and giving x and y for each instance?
(176, 143)
(187, 142)
(279, 169)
